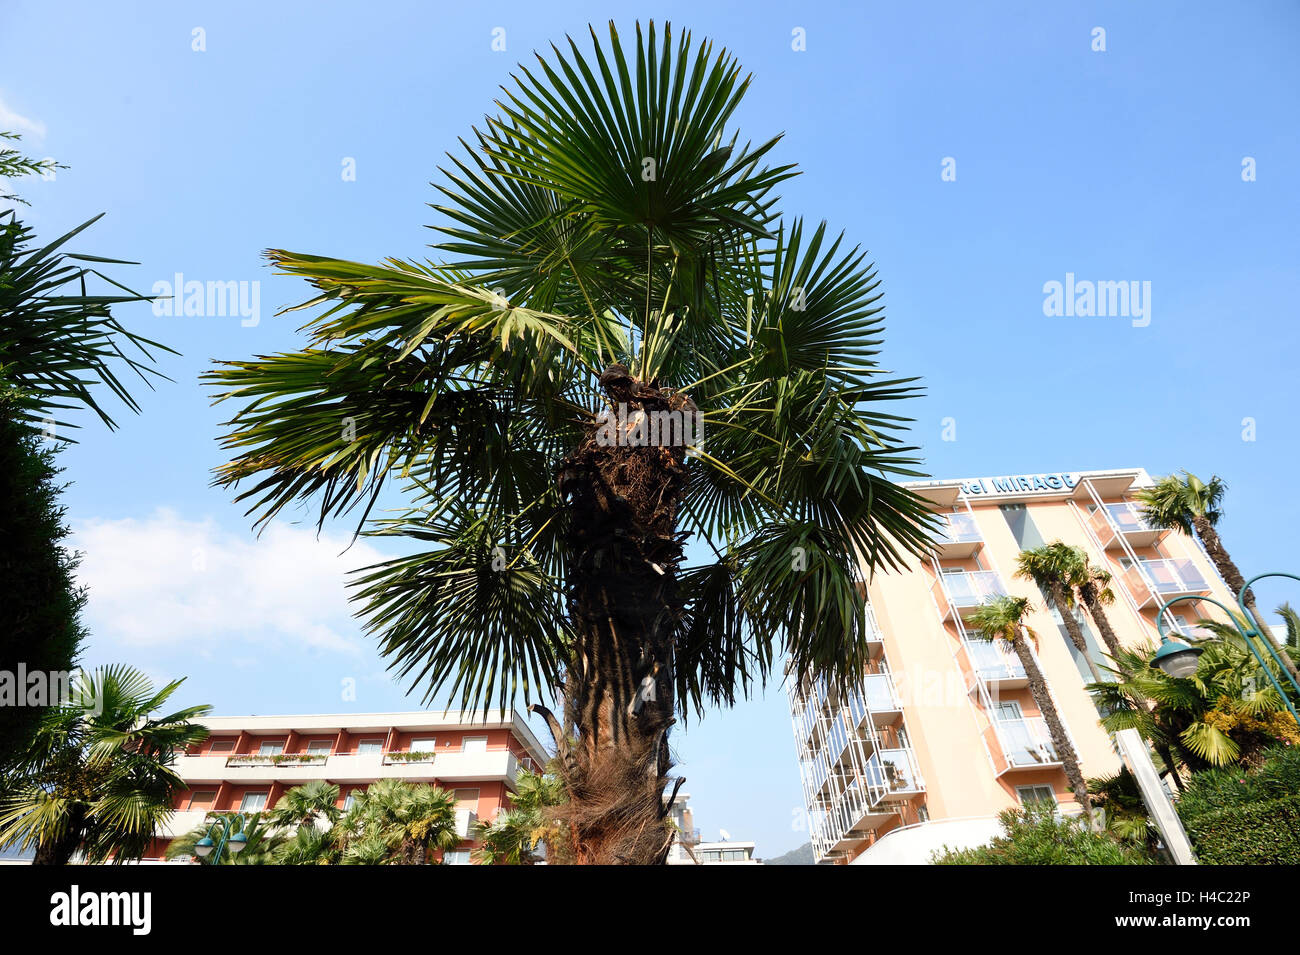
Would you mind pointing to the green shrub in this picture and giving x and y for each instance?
(1036, 835)
(1256, 833)
(1237, 816)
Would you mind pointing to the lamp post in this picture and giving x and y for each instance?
(1178, 659)
(237, 842)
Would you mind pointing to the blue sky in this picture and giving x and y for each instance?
(1117, 165)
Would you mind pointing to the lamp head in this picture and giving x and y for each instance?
(203, 847)
(1176, 659)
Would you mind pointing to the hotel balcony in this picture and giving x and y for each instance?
(1152, 582)
(878, 699)
(994, 665)
(1021, 744)
(1116, 523)
(961, 593)
(865, 801)
(959, 537)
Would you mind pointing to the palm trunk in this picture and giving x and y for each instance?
(1055, 728)
(61, 850)
(1098, 614)
(624, 606)
(1232, 577)
(1060, 599)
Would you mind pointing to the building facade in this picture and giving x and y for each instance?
(943, 732)
(248, 763)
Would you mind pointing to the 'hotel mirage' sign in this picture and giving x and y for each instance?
(1019, 484)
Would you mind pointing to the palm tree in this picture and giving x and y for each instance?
(409, 820)
(1194, 507)
(307, 805)
(1059, 570)
(1003, 618)
(263, 847)
(513, 837)
(98, 777)
(611, 279)
(1204, 720)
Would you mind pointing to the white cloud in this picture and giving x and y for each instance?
(167, 581)
(12, 122)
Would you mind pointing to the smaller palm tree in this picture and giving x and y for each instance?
(98, 778)
(1060, 570)
(1003, 618)
(262, 847)
(1195, 507)
(308, 805)
(1226, 713)
(516, 834)
(1096, 595)
(408, 820)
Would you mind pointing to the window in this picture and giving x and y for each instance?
(456, 857)
(923, 813)
(320, 747)
(467, 799)
(253, 801)
(1031, 795)
(270, 747)
(222, 746)
(474, 744)
(202, 799)
(424, 745)
(1009, 710)
(349, 800)
(370, 747)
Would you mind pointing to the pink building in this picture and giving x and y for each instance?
(249, 762)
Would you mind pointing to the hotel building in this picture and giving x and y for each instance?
(943, 732)
(247, 763)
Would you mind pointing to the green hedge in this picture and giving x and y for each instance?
(1257, 833)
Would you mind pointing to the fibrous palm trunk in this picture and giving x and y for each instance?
(1059, 598)
(622, 491)
(1055, 728)
(1235, 581)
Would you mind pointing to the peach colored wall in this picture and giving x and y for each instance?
(944, 723)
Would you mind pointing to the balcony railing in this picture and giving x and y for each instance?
(1026, 742)
(958, 535)
(959, 529)
(967, 590)
(992, 662)
(1164, 577)
(892, 771)
(1125, 520)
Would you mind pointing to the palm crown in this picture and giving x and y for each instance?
(609, 247)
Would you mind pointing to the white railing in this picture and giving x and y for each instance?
(1026, 742)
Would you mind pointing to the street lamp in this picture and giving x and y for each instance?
(237, 843)
(1179, 659)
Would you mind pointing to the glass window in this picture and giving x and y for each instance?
(253, 802)
(456, 857)
(424, 745)
(222, 746)
(270, 747)
(349, 801)
(370, 747)
(1030, 795)
(474, 744)
(202, 799)
(467, 799)
(320, 747)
